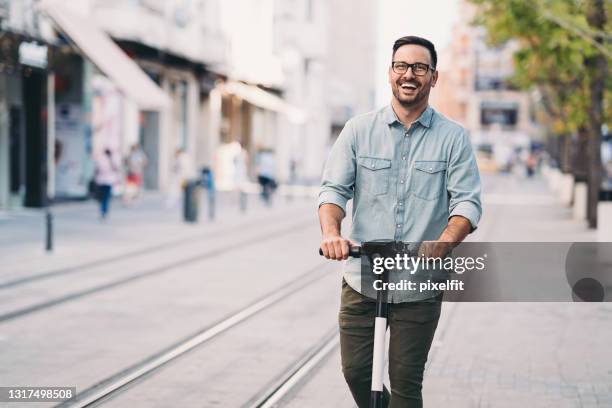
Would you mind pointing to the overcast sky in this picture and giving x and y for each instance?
(432, 19)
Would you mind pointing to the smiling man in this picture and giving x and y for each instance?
(412, 176)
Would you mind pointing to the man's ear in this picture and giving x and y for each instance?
(434, 79)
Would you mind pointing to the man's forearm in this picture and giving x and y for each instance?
(457, 229)
(330, 217)
(332, 244)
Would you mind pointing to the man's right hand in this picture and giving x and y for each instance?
(335, 247)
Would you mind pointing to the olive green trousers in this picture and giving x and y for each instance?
(412, 326)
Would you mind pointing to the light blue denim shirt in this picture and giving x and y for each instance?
(405, 182)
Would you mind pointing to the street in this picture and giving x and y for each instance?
(113, 297)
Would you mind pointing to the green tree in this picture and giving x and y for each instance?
(563, 51)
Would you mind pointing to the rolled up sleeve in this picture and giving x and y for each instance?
(338, 181)
(463, 182)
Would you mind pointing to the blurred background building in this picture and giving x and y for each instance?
(197, 75)
(351, 84)
(224, 81)
(474, 89)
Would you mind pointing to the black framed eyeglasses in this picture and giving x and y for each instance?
(418, 68)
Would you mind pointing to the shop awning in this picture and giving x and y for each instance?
(100, 49)
(266, 100)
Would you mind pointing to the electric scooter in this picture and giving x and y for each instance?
(374, 249)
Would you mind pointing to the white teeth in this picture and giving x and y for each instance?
(409, 86)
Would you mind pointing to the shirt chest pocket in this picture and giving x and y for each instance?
(429, 179)
(373, 174)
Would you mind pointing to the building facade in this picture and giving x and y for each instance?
(26, 107)
(329, 68)
(474, 90)
(352, 61)
(200, 76)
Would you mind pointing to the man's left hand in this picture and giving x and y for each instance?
(435, 249)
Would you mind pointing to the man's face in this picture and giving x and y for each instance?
(409, 89)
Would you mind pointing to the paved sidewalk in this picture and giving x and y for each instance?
(525, 210)
(533, 355)
(536, 355)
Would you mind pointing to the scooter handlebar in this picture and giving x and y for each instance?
(354, 252)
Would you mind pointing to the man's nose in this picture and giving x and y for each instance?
(408, 74)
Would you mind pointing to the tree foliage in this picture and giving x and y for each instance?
(555, 45)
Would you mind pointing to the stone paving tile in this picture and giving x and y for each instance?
(324, 387)
(557, 354)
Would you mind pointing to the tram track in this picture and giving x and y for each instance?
(296, 373)
(155, 271)
(118, 383)
(108, 388)
(163, 246)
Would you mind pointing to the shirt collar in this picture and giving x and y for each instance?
(425, 118)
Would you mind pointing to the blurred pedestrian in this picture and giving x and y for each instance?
(241, 177)
(183, 170)
(107, 174)
(266, 169)
(530, 164)
(135, 163)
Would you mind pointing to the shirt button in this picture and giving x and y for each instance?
(403, 157)
(401, 203)
(430, 169)
(373, 165)
(399, 225)
(401, 181)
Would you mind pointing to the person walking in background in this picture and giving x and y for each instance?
(135, 164)
(530, 164)
(183, 170)
(241, 176)
(266, 170)
(107, 173)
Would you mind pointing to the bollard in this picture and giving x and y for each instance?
(207, 181)
(211, 205)
(190, 202)
(49, 231)
(292, 179)
(243, 201)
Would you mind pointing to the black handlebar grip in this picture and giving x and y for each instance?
(354, 252)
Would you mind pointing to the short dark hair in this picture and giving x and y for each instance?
(411, 39)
